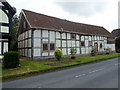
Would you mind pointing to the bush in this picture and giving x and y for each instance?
(107, 50)
(73, 52)
(11, 59)
(93, 52)
(58, 54)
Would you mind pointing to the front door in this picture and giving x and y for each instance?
(96, 46)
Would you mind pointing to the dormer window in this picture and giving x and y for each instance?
(72, 36)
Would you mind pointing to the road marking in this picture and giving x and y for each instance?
(80, 75)
(97, 70)
(90, 72)
(117, 64)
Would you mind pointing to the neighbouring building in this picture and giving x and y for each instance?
(116, 32)
(39, 35)
(6, 14)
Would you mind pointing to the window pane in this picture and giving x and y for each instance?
(4, 29)
(82, 43)
(0, 47)
(100, 45)
(52, 46)
(5, 47)
(45, 47)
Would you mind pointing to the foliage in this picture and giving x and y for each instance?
(14, 44)
(58, 54)
(73, 51)
(11, 59)
(93, 52)
(117, 43)
(30, 66)
(107, 50)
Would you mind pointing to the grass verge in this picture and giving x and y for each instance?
(29, 67)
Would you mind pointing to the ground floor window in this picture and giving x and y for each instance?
(45, 47)
(48, 47)
(52, 46)
(100, 45)
(82, 43)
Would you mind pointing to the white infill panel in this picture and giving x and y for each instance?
(58, 43)
(82, 38)
(83, 50)
(63, 35)
(51, 53)
(37, 42)
(29, 42)
(77, 44)
(68, 35)
(4, 29)
(68, 43)
(45, 54)
(63, 43)
(57, 34)
(77, 37)
(78, 50)
(29, 33)
(37, 33)
(64, 51)
(69, 51)
(52, 37)
(44, 33)
(29, 52)
(73, 43)
(36, 52)
(3, 17)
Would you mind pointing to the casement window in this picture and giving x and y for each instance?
(82, 43)
(100, 45)
(52, 46)
(73, 36)
(45, 47)
(90, 43)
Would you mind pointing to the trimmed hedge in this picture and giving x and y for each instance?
(11, 59)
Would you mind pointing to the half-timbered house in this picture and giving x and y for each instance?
(6, 14)
(39, 35)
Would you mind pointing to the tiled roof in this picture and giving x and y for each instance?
(37, 20)
(116, 32)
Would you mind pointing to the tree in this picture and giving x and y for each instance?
(117, 43)
(14, 45)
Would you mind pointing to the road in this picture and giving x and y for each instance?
(103, 74)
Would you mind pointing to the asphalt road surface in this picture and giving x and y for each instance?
(103, 74)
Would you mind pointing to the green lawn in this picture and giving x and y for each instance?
(28, 66)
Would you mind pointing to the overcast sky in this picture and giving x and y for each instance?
(96, 12)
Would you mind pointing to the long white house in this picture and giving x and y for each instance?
(6, 14)
(39, 35)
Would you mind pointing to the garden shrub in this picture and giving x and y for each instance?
(73, 52)
(58, 54)
(11, 59)
(107, 50)
(93, 52)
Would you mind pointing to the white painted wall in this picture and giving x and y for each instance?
(58, 43)
(57, 34)
(0, 48)
(44, 33)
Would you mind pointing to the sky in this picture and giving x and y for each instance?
(95, 12)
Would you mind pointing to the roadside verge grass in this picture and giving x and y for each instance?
(31, 67)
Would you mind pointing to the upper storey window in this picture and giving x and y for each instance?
(3, 17)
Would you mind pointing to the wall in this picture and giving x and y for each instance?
(25, 43)
(61, 41)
